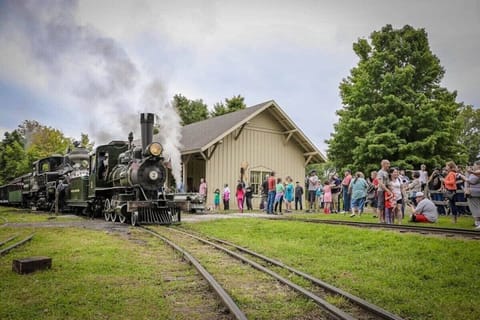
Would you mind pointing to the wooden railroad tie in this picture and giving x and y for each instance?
(31, 264)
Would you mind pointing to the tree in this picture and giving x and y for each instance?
(190, 111)
(394, 107)
(85, 142)
(469, 120)
(231, 105)
(30, 142)
(13, 157)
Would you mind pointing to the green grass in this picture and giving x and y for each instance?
(14, 215)
(94, 275)
(414, 276)
(98, 275)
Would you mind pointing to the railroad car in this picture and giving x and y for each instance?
(118, 180)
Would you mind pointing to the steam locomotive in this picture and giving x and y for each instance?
(119, 180)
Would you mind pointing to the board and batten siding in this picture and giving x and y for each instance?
(262, 144)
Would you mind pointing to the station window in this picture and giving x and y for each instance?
(256, 179)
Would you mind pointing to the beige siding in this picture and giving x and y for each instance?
(262, 145)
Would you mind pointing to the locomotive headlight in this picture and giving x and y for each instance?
(155, 149)
(153, 175)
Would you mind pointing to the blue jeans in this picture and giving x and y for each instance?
(346, 199)
(270, 201)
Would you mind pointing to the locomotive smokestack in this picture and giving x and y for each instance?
(146, 124)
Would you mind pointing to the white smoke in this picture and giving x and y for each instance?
(168, 122)
(93, 71)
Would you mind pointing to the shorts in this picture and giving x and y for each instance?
(381, 201)
(358, 203)
(419, 218)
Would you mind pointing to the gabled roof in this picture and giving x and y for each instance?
(199, 136)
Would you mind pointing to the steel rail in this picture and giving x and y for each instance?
(224, 296)
(384, 314)
(13, 246)
(7, 240)
(434, 230)
(330, 308)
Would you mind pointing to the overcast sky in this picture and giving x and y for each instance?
(85, 66)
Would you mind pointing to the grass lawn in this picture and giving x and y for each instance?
(414, 276)
(99, 275)
(94, 275)
(14, 215)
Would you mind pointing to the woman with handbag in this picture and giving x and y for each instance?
(472, 192)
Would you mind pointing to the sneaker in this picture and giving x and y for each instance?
(477, 227)
(352, 215)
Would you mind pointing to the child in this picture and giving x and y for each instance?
(390, 203)
(240, 194)
(216, 199)
(327, 197)
(226, 198)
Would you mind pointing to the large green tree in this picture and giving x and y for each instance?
(394, 106)
(469, 121)
(231, 105)
(190, 111)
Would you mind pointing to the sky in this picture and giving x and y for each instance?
(92, 66)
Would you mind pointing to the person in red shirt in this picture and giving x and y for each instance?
(390, 203)
(271, 184)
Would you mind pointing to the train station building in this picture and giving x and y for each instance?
(245, 145)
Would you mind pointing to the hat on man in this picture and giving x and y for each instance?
(419, 194)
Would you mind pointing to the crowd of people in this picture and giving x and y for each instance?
(390, 191)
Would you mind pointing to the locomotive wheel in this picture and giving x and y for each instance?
(134, 218)
(106, 210)
(122, 218)
(113, 215)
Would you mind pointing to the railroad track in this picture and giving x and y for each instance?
(13, 246)
(448, 232)
(317, 291)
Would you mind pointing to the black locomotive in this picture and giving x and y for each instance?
(119, 180)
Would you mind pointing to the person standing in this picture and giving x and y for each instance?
(298, 196)
(279, 192)
(358, 190)
(263, 204)
(327, 197)
(450, 184)
(289, 190)
(239, 194)
(398, 191)
(271, 186)
(216, 199)
(248, 197)
(345, 190)
(472, 192)
(335, 184)
(202, 189)
(383, 180)
(312, 189)
(435, 185)
(423, 176)
(226, 198)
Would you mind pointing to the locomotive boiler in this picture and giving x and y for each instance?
(127, 181)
